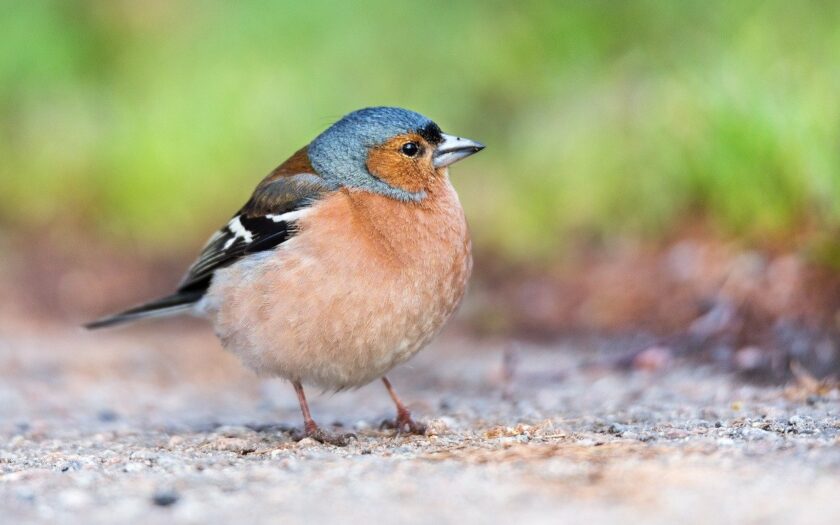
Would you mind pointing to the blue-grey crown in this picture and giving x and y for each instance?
(339, 154)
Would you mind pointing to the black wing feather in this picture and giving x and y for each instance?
(272, 198)
(256, 227)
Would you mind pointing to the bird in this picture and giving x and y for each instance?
(347, 259)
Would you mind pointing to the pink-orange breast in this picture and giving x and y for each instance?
(365, 284)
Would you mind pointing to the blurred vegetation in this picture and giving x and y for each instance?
(150, 121)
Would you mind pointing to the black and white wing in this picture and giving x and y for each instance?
(267, 220)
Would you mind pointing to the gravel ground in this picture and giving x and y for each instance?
(158, 424)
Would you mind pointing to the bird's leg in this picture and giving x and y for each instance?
(311, 429)
(404, 423)
(309, 425)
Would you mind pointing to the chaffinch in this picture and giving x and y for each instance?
(346, 260)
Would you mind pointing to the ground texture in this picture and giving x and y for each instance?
(157, 424)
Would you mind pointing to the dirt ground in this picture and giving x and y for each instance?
(157, 424)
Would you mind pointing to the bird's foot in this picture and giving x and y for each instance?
(337, 439)
(404, 424)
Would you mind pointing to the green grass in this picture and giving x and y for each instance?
(152, 121)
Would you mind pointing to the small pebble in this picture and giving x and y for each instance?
(131, 468)
(436, 427)
(71, 465)
(617, 429)
(653, 359)
(107, 415)
(278, 453)
(231, 444)
(233, 431)
(165, 498)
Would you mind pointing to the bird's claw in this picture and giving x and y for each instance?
(411, 427)
(404, 424)
(328, 438)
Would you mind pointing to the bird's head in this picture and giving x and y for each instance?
(391, 151)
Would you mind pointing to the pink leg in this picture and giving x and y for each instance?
(404, 423)
(311, 429)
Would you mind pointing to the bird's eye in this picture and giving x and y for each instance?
(410, 149)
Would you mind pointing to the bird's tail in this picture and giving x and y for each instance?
(179, 302)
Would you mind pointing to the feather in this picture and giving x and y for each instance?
(266, 221)
(263, 223)
(179, 302)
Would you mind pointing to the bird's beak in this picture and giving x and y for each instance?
(453, 149)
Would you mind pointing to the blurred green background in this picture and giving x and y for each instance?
(150, 121)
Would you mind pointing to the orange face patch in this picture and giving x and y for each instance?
(393, 163)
